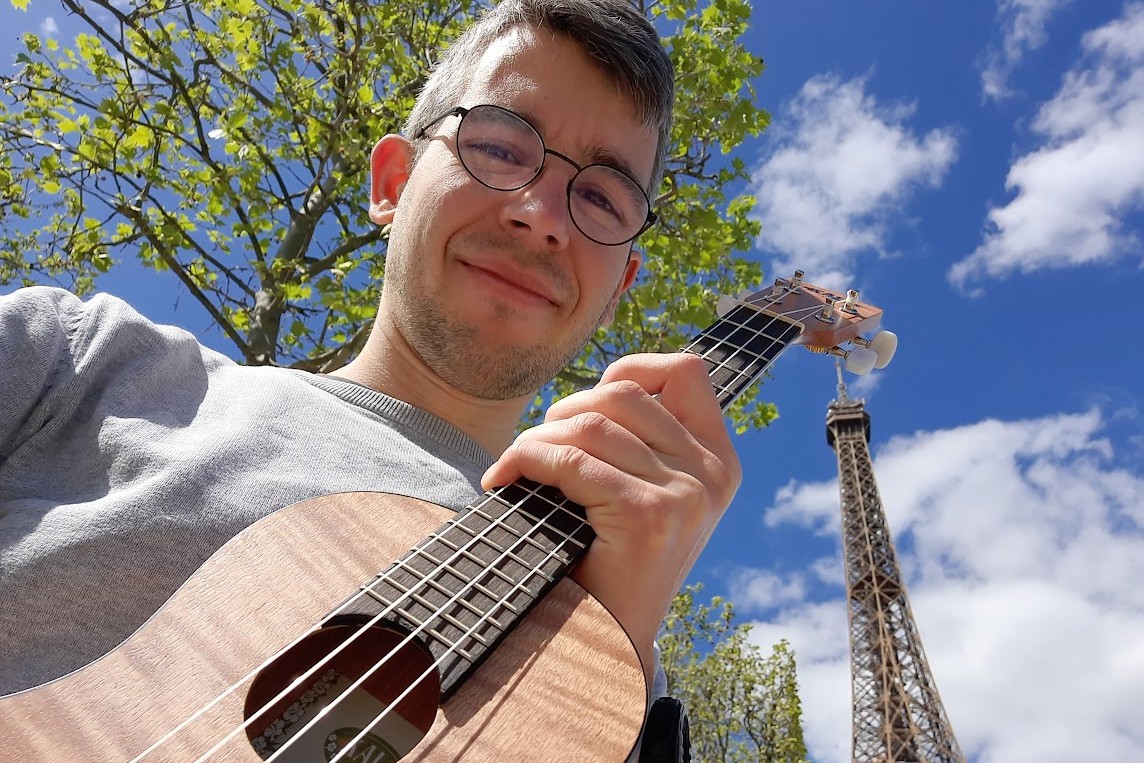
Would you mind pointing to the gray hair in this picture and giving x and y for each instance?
(613, 33)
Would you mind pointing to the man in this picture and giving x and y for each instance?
(129, 453)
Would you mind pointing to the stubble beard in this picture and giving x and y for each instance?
(476, 362)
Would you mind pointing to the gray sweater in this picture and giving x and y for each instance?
(129, 453)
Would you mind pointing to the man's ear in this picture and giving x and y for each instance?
(389, 163)
(631, 270)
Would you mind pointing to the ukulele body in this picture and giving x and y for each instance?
(566, 684)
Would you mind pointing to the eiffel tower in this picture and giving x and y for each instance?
(898, 715)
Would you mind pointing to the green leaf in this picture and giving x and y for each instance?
(139, 137)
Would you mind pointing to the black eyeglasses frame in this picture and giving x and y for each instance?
(462, 112)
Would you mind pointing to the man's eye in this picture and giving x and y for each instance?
(495, 150)
(600, 202)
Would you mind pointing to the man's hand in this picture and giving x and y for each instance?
(655, 475)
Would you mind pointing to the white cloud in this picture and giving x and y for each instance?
(1023, 24)
(1022, 544)
(760, 589)
(840, 166)
(1074, 192)
(828, 571)
(49, 27)
(863, 387)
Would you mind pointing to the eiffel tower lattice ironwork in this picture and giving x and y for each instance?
(898, 714)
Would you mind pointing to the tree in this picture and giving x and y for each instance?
(742, 705)
(226, 143)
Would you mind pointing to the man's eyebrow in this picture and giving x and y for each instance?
(593, 154)
(601, 155)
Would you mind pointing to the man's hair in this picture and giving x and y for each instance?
(616, 36)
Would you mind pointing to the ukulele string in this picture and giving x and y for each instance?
(519, 586)
(321, 664)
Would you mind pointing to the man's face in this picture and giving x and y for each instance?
(497, 290)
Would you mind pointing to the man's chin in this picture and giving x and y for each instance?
(502, 371)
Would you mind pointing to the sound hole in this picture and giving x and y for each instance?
(387, 727)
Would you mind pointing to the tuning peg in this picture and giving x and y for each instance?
(850, 305)
(860, 361)
(884, 343)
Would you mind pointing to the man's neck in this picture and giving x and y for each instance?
(389, 365)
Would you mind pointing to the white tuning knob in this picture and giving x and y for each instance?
(860, 361)
(885, 344)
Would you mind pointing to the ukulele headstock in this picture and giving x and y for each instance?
(828, 320)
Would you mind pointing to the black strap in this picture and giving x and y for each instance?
(666, 738)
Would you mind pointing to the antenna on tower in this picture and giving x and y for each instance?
(841, 384)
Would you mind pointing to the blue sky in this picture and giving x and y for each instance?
(977, 170)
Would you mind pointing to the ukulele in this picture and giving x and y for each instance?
(472, 645)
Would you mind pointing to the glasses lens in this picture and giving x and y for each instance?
(498, 148)
(504, 152)
(607, 205)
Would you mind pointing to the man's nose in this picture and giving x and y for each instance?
(539, 211)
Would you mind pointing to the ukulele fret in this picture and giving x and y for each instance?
(565, 522)
(485, 592)
(473, 558)
(461, 551)
(501, 554)
(442, 627)
(417, 596)
(740, 347)
(426, 629)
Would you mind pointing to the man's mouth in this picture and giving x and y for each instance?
(514, 283)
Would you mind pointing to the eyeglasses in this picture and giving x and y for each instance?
(504, 152)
